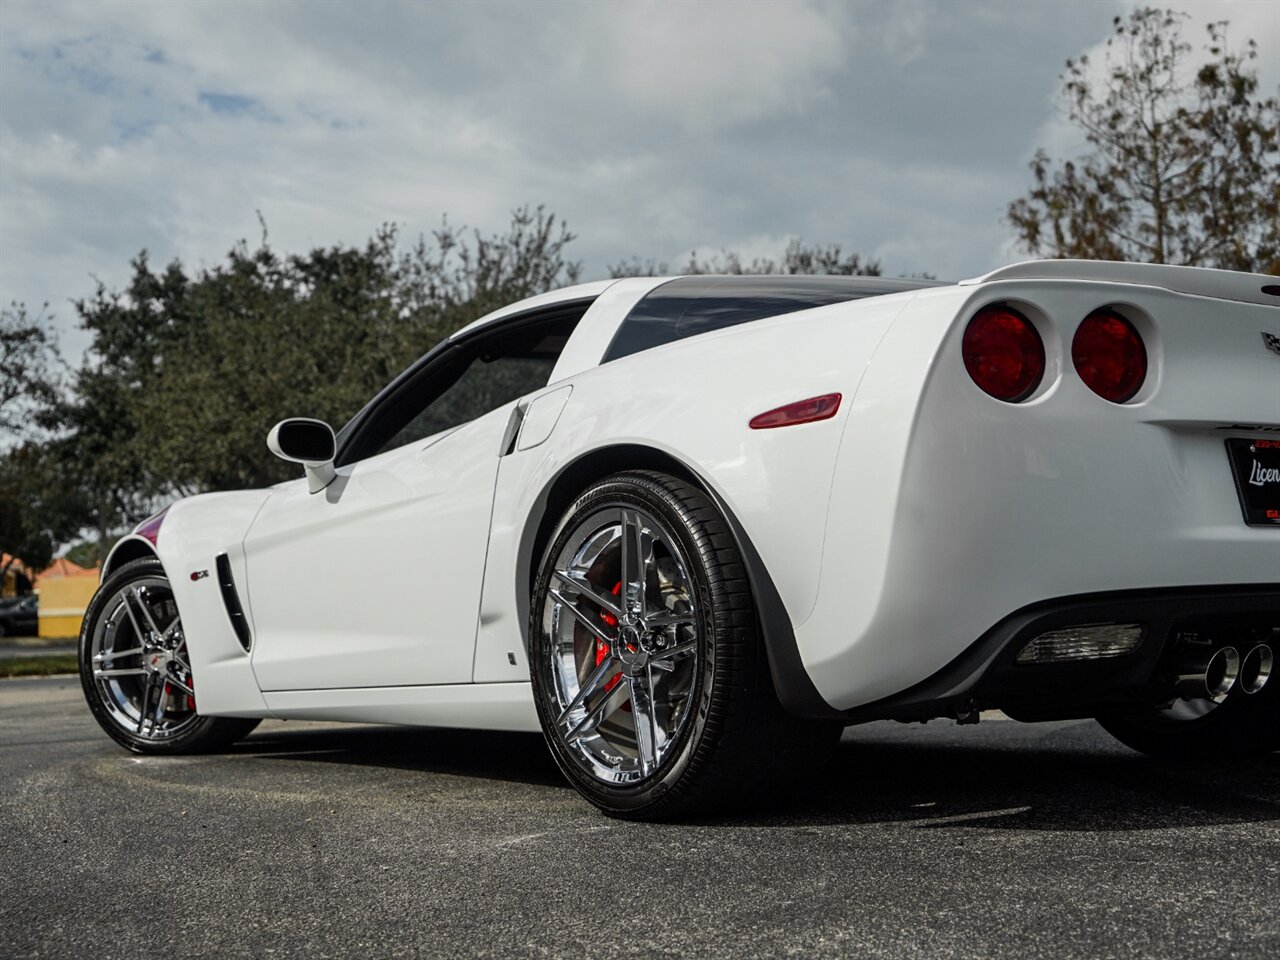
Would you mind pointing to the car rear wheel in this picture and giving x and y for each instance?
(1244, 722)
(649, 672)
(136, 672)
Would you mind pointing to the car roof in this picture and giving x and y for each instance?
(593, 289)
(579, 291)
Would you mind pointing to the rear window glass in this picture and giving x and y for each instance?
(687, 306)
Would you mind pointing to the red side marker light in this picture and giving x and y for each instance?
(802, 411)
(149, 529)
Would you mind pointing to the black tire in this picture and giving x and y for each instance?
(1243, 725)
(738, 747)
(196, 733)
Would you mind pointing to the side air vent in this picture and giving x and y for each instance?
(232, 600)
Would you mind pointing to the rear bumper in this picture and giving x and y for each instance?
(987, 674)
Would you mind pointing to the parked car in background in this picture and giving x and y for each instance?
(692, 527)
(19, 616)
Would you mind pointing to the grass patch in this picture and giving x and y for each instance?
(38, 666)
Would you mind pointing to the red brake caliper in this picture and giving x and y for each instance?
(168, 693)
(602, 648)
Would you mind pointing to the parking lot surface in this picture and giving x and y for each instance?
(320, 840)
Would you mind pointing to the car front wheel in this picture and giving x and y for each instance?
(135, 668)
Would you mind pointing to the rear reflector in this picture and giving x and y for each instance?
(802, 411)
(1092, 641)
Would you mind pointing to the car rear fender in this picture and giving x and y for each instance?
(963, 508)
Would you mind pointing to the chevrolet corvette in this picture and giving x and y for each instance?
(691, 528)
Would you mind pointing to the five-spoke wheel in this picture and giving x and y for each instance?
(135, 669)
(649, 673)
(621, 625)
(138, 658)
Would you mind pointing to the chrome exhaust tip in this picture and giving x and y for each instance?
(1212, 678)
(1221, 674)
(1255, 669)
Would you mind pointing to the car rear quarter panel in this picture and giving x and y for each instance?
(951, 510)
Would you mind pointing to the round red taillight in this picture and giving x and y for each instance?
(1003, 353)
(1109, 356)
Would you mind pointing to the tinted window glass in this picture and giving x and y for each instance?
(688, 306)
(484, 385)
(461, 380)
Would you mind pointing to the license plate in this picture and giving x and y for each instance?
(1256, 466)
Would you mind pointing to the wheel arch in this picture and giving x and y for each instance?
(791, 681)
(132, 547)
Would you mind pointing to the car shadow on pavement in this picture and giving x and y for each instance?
(514, 757)
(1000, 780)
(994, 786)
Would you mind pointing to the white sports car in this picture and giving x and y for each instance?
(690, 528)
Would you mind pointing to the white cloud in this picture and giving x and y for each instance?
(898, 130)
(907, 32)
(711, 70)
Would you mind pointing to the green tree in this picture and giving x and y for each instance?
(37, 513)
(797, 258)
(21, 535)
(86, 553)
(188, 371)
(30, 369)
(1184, 157)
(32, 518)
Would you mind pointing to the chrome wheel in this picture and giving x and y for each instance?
(649, 672)
(622, 660)
(138, 657)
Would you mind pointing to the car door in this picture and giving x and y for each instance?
(375, 580)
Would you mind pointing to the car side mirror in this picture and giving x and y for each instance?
(310, 443)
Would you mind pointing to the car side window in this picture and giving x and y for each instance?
(688, 306)
(483, 386)
(461, 380)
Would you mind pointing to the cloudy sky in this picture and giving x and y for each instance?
(900, 130)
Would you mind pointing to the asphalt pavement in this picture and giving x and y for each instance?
(326, 840)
